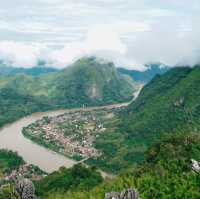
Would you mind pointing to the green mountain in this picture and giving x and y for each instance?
(90, 82)
(86, 82)
(147, 75)
(170, 103)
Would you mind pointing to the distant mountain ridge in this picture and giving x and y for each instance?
(38, 70)
(147, 75)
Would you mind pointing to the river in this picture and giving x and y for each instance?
(11, 138)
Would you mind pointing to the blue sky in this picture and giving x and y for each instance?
(128, 32)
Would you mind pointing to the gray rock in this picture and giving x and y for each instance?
(113, 195)
(127, 194)
(195, 165)
(25, 189)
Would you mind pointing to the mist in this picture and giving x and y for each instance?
(129, 34)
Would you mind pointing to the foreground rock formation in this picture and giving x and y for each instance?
(25, 189)
(127, 194)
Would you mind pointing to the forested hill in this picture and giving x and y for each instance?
(86, 82)
(170, 103)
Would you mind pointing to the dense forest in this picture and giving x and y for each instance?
(65, 180)
(165, 173)
(9, 161)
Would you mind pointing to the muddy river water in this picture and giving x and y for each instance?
(11, 138)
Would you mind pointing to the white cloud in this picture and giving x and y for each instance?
(130, 33)
(99, 39)
(19, 54)
(179, 45)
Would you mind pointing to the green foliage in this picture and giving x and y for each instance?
(14, 105)
(9, 161)
(76, 178)
(8, 192)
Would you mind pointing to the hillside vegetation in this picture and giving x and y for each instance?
(9, 161)
(170, 103)
(166, 173)
(64, 180)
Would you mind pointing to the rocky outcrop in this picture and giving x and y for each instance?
(26, 189)
(127, 194)
(195, 165)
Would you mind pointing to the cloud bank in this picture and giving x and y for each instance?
(130, 34)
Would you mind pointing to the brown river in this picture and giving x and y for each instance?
(11, 138)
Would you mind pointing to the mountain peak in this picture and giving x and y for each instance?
(93, 61)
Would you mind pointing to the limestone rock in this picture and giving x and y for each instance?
(127, 194)
(25, 189)
(195, 165)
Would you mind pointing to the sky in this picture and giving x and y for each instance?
(130, 33)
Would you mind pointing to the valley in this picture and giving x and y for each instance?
(99, 99)
(13, 139)
(133, 138)
(149, 140)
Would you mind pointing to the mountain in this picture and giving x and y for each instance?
(147, 75)
(90, 82)
(87, 82)
(170, 103)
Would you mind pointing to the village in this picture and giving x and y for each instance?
(72, 134)
(24, 171)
